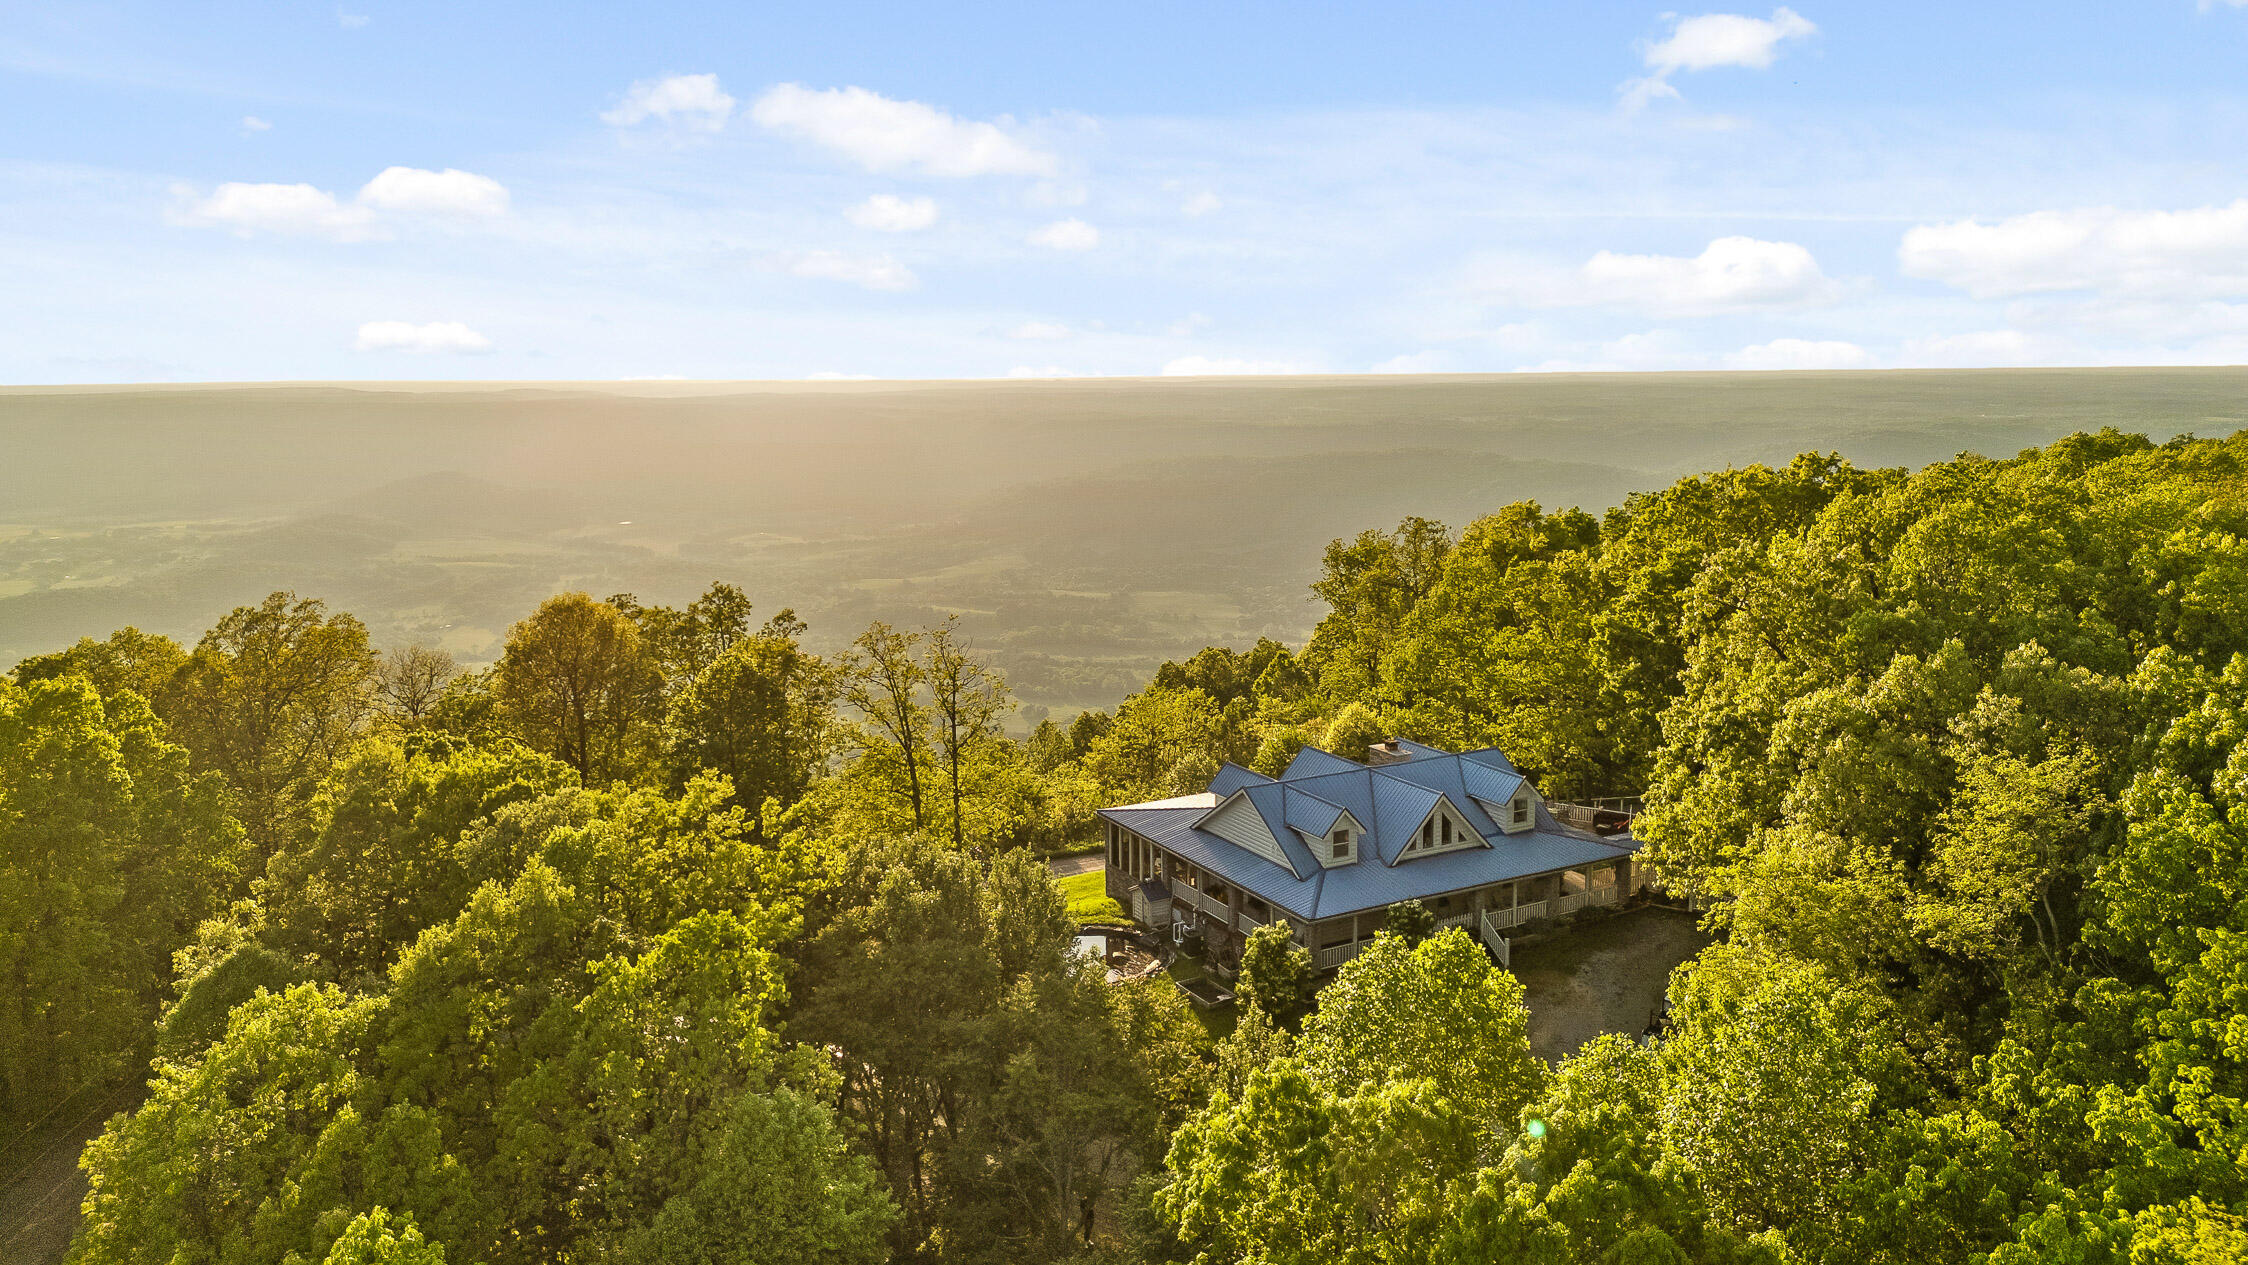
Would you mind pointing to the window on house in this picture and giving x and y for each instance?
(1342, 845)
(1522, 810)
(1428, 833)
(1447, 832)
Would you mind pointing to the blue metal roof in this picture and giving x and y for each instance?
(1306, 812)
(1311, 761)
(1390, 802)
(1232, 777)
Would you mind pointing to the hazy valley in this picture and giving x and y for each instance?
(1085, 530)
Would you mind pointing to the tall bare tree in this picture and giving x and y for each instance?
(966, 702)
(410, 680)
(882, 681)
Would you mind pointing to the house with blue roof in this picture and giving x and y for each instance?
(1331, 844)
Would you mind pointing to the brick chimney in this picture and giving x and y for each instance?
(1389, 751)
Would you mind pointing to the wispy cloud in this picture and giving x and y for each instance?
(889, 213)
(868, 272)
(1071, 234)
(1731, 274)
(434, 337)
(1710, 41)
(295, 210)
(882, 134)
(1228, 367)
(690, 102)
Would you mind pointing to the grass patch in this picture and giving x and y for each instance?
(1088, 899)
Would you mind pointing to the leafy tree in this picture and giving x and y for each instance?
(1437, 1011)
(883, 681)
(575, 683)
(271, 699)
(1155, 733)
(376, 1237)
(1407, 1077)
(1773, 1077)
(761, 714)
(681, 644)
(1410, 921)
(1369, 584)
(1276, 975)
(111, 850)
(1586, 1178)
(381, 860)
(781, 1187)
(127, 659)
(1354, 730)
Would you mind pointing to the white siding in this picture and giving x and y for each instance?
(1238, 822)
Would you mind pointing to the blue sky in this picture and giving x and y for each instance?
(382, 190)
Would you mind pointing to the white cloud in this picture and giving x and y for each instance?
(1649, 351)
(1710, 41)
(830, 375)
(1201, 204)
(1801, 353)
(1980, 349)
(871, 272)
(448, 192)
(889, 213)
(1037, 371)
(692, 102)
(1189, 325)
(1039, 331)
(2199, 252)
(1226, 367)
(1415, 362)
(292, 209)
(1731, 274)
(300, 210)
(436, 336)
(252, 123)
(881, 134)
(1069, 234)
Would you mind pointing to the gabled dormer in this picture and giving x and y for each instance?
(1521, 811)
(1444, 829)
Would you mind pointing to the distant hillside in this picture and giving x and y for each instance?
(1085, 528)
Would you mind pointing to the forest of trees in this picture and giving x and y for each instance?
(665, 939)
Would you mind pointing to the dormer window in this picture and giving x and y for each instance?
(1342, 845)
(1521, 810)
(1428, 833)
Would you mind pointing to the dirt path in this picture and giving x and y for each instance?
(1605, 976)
(41, 1186)
(1071, 867)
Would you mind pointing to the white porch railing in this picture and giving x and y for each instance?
(1465, 922)
(1516, 915)
(1333, 956)
(1497, 943)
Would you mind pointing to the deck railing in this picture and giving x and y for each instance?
(1498, 944)
(1335, 955)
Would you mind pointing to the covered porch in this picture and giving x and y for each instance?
(1487, 913)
